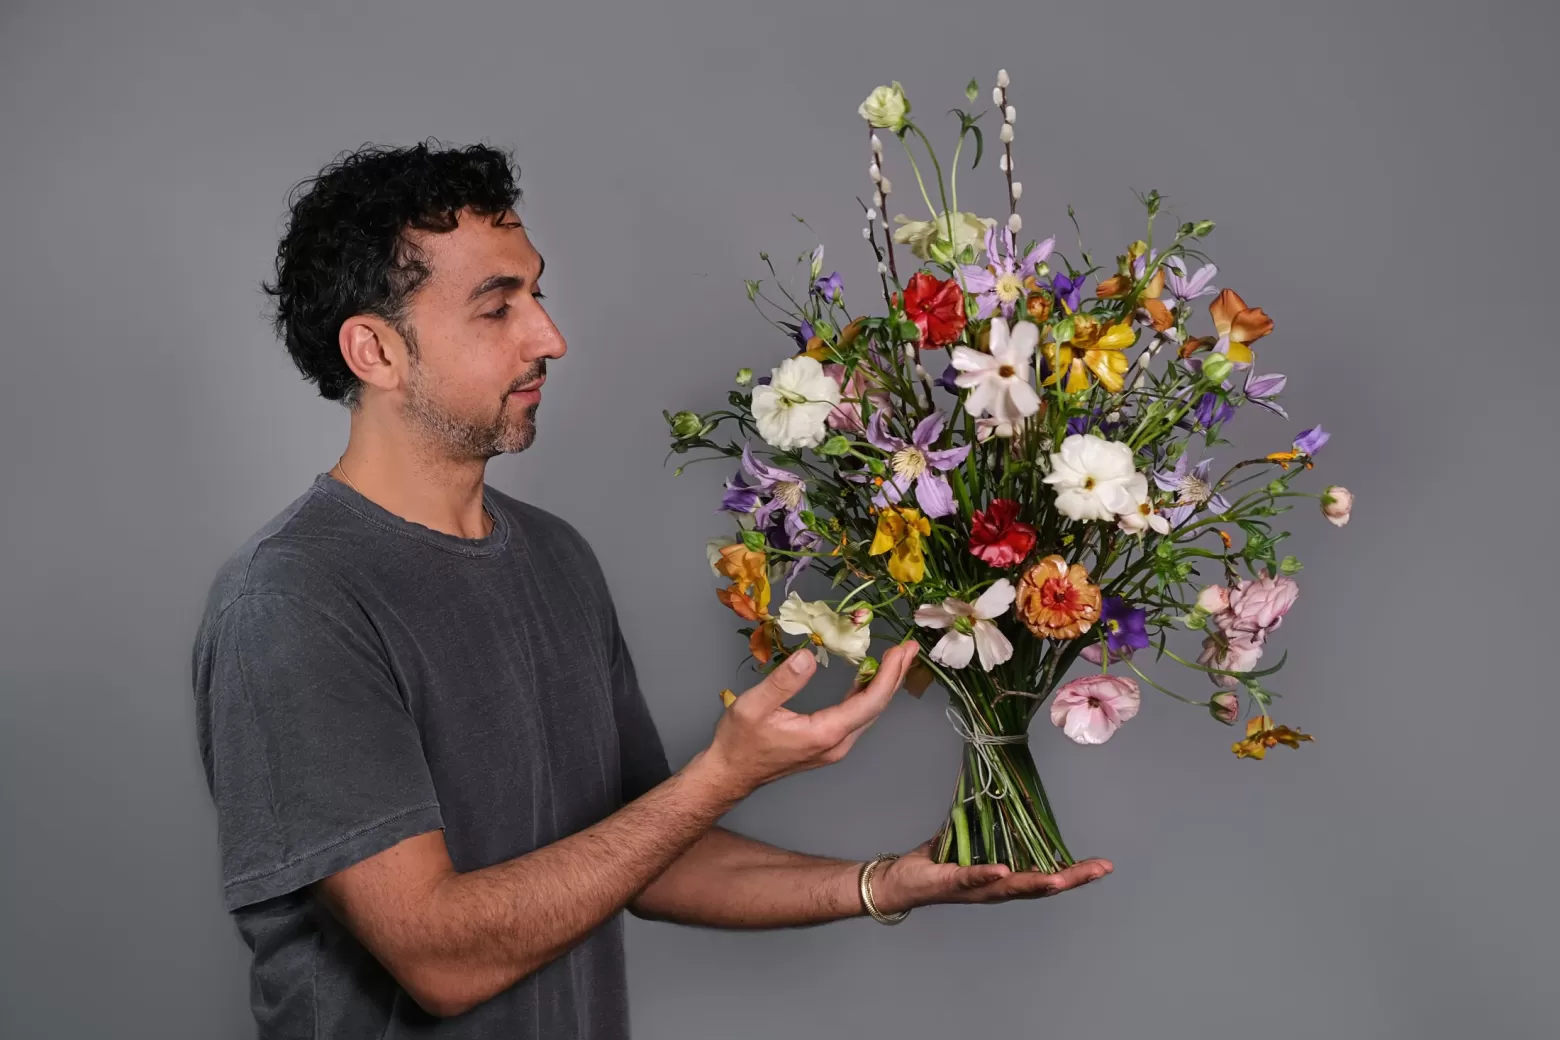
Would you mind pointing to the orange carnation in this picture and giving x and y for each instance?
(1056, 601)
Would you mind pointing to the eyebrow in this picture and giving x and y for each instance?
(506, 282)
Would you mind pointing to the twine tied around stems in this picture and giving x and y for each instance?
(983, 743)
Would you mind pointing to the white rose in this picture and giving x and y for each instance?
(1092, 477)
(886, 107)
(791, 410)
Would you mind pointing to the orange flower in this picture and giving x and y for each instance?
(1057, 601)
(749, 591)
(1261, 734)
(1238, 324)
(761, 644)
(1159, 315)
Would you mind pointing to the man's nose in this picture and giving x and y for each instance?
(545, 341)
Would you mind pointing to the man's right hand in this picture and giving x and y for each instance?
(758, 740)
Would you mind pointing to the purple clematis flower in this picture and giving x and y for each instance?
(1193, 491)
(1068, 290)
(789, 533)
(1264, 391)
(1311, 440)
(1001, 282)
(914, 462)
(829, 287)
(946, 380)
(775, 490)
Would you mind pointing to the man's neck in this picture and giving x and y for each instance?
(413, 480)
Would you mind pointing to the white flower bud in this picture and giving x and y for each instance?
(877, 146)
(996, 95)
(1015, 223)
(920, 370)
(882, 267)
(1011, 115)
(866, 233)
(1007, 133)
(875, 173)
(877, 198)
(1018, 190)
(871, 215)
(1002, 163)
(1002, 78)
(885, 186)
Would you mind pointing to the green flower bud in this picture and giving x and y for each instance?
(1202, 228)
(754, 540)
(687, 424)
(744, 376)
(1290, 565)
(836, 445)
(1216, 368)
(866, 670)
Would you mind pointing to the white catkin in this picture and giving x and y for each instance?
(1018, 190)
(885, 185)
(871, 215)
(877, 146)
(875, 173)
(877, 198)
(1015, 223)
(882, 267)
(1002, 78)
(1011, 115)
(866, 232)
(996, 95)
(1003, 164)
(1007, 133)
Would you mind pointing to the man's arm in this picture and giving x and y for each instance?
(726, 880)
(454, 940)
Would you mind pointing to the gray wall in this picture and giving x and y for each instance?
(1381, 173)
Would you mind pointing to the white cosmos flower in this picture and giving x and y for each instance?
(970, 627)
(1142, 517)
(1091, 476)
(791, 409)
(830, 633)
(999, 382)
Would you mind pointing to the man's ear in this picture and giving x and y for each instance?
(374, 351)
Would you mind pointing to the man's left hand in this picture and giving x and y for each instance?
(915, 880)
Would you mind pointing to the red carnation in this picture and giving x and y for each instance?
(936, 307)
(998, 537)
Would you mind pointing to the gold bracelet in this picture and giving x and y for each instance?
(866, 891)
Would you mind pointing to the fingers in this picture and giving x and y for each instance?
(860, 709)
(1032, 884)
(781, 684)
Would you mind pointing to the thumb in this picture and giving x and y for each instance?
(783, 683)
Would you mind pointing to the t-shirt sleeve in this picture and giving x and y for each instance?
(314, 760)
(642, 756)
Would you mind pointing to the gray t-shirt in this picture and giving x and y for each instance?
(360, 679)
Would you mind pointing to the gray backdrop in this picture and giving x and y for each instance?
(1381, 173)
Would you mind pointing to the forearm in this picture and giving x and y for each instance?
(726, 880)
(489, 928)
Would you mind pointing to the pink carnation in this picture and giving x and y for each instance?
(1090, 708)
(847, 414)
(1236, 655)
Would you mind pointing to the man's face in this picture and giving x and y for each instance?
(482, 339)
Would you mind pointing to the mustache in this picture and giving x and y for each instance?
(530, 377)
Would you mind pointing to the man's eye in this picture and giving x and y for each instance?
(539, 295)
(499, 314)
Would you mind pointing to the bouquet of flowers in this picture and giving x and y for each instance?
(1042, 492)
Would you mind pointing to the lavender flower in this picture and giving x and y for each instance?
(1193, 491)
(915, 463)
(1311, 440)
(1264, 391)
(829, 287)
(946, 380)
(1001, 281)
(1185, 288)
(785, 491)
(804, 332)
(1211, 409)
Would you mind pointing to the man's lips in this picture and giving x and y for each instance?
(530, 387)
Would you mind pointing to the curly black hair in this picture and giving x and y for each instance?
(345, 250)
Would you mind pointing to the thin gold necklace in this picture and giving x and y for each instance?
(341, 465)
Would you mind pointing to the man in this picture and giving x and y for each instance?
(437, 782)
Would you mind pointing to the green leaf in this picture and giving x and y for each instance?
(752, 288)
(980, 145)
(737, 399)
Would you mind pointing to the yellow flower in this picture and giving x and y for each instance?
(900, 530)
(1092, 348)
(727, 698)
(1261, 734)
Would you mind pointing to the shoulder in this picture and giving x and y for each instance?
(297, 555)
